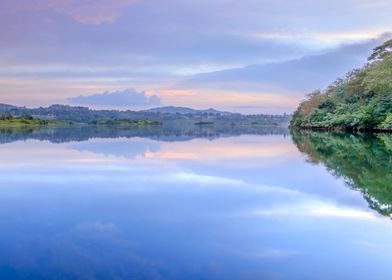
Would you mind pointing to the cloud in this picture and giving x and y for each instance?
(82, 11)
(298, 75)
(144, 33)
(128, 97)
(93, 11)
(67, 46)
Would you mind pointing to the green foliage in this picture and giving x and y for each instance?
(360, 101)
(10, 122)
(82, 115)
(327, 105)
(381, 51)
(387, 123)
(379, 76)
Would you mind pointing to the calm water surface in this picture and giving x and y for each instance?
(271, 205)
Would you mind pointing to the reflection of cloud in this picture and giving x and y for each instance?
(219, 181)
(269, 253)
(204, 179)
(96, 226)
(129, 148)
(221, 149)
(317, 210)
(169, 155)
(275, 253)
(372, 246)
(341, 213)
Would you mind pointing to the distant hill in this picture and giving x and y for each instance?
(166, 115)
(360, 101)
(6, 107)
(184, 110)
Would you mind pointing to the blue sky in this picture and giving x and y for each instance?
(247, 56)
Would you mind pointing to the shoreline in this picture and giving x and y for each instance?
(339, 129)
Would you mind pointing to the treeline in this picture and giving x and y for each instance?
(64, 113)
(10, 121)
(362, 100)
(9, 117)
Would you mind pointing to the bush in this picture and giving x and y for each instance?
(387, 123)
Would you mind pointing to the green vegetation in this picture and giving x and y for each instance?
(167, 116)
(24, 122)
(361, 101)
(364, 161)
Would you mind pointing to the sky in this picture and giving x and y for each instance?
(248, 56)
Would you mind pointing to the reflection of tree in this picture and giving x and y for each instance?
(364, 161)
(162, 133)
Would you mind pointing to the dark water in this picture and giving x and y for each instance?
(98, 203)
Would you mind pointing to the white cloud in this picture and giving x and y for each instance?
(128, 97)
(83, 11)
(297, 76)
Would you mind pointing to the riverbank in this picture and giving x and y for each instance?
(15, 123)
(342, 129)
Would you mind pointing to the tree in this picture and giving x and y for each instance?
(362, 100)
(379, 76)
(381, 51)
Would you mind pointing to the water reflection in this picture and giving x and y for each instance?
(161, 133)
(364, 161)
(221, 206)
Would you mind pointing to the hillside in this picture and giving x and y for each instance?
(184, 110)
(362, 100)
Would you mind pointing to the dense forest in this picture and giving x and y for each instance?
(362, 100)
(364, 161)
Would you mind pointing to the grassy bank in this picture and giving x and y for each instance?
(22, 123)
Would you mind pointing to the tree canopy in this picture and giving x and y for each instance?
(362, 100)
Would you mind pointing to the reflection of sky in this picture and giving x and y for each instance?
(240, 207)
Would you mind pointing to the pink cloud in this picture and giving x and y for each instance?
(83, 11)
